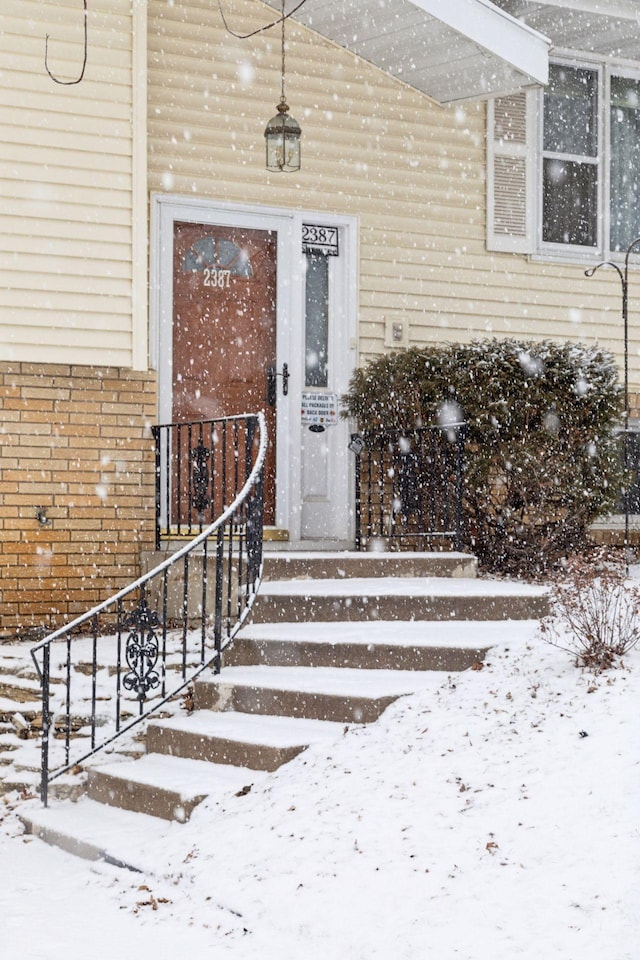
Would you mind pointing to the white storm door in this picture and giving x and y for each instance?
(328, 331)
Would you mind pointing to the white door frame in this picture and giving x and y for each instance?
(287, 225)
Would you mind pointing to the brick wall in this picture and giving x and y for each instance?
(75, 443)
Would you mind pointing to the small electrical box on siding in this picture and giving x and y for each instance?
(396, 333)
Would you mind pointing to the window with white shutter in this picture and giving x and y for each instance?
(510, 166)
(563, 164)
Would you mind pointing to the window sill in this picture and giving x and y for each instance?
(573, 258)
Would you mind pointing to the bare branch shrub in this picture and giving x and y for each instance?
(595, 613)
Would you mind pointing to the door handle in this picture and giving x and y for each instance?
(271, 386)
(272, 383)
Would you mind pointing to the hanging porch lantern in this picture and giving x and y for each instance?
(282, 133)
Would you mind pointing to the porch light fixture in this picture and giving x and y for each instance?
(282, 133)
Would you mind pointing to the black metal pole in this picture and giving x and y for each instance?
(460, 445)
(156, 439)
(46, 725)
(217, 616)
(624, 282)
(358, 501)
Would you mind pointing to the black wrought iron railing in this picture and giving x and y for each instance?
(409, 487)
(127, 657)
(198, 466)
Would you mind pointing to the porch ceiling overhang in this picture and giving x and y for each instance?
(609, 28)
(449, 49)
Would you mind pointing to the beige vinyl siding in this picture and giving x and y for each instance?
(66, 184)
(413, 172)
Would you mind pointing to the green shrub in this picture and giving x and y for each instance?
(542, 455)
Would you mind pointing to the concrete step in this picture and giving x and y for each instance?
(244, 740)
(373, 645)
(397, 598)
(296, 565)
(165, 786)
(315, 693)
(96, 831)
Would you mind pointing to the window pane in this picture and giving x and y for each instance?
(571, 111)
(625, 162)
(316, 320)
(570, 194)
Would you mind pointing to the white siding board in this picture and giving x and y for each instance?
(93, 133)
(66, 184)
(107, 259)
(11, 338)
(68, 332)
(81, 154)
(91, 310)
(59, 159)
(63, 176)
(22, 68)
(51, 230)
(60, 110)
(78, 202)
(35, 209)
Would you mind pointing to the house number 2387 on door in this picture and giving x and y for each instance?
(216, 278)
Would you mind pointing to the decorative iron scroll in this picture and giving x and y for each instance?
(200, 476)
(141, 651)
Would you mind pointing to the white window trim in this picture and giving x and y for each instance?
(530, 243)
(573, 250)
(573, 253)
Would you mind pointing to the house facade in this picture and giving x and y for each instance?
(460, 171)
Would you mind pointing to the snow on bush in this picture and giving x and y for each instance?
(542, 457)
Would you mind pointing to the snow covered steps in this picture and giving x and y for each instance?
(348, 564)
(242, 739)
(95, 831)
(331, 644)
(371, 645)
(164, 786)
(396, 598)
(203, 754)
(335, 694)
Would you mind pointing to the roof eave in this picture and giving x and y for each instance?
(524, 51)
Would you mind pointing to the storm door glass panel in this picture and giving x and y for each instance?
(625, 162)
(316, 320)
(570, 157)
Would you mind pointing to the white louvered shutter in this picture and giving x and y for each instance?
(511, 193)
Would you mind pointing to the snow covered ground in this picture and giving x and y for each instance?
(493, 817)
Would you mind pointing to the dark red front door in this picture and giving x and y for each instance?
(224, 328)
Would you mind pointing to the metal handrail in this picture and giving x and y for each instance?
(409, 485)
(152, 630)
